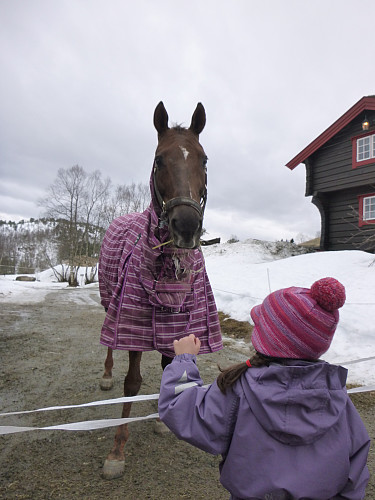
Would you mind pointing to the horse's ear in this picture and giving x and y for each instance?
(198, 120)
(161, 118)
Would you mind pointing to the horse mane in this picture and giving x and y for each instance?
(179, 128)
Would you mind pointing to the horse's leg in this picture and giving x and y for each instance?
(106, 383)
(114, 465)
(160, 427)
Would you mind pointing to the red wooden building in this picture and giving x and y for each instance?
(340, 177)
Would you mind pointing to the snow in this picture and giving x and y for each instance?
(27, 292)
(241, 277)
(243, 273)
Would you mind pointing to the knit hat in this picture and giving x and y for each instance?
(297, 322)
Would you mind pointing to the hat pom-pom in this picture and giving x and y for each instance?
(329, 293)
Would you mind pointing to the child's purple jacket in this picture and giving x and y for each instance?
(284, 432)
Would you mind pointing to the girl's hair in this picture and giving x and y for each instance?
(230, 375)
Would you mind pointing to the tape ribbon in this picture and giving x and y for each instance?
(90, 425)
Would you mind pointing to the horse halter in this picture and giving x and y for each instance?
(180, 200)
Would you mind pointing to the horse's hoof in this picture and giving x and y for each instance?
(113, 469)
(160, 428)
(106, 384)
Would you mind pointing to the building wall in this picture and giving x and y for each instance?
(330, 168)
(341, 229)
(335, 186)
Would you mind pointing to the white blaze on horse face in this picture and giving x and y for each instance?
(185, 152)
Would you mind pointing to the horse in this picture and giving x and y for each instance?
(152, 277)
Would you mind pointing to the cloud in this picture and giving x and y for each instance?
(79, 86)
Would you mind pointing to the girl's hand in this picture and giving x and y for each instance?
(187, 345)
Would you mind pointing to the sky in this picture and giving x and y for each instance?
(242, 274)
(80, 80)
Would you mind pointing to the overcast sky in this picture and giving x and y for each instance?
(80, 80)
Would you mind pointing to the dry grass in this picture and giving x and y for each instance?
(235, 329)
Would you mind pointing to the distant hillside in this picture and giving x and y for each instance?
(37, 244)
(314, 243)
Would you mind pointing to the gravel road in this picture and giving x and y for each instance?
(50, 356)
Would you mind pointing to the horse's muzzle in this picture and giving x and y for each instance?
(185, 226)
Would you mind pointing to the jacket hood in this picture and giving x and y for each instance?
(296, 403)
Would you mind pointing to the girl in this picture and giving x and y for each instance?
(282, 421)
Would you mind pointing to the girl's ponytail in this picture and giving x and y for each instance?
(230, 375)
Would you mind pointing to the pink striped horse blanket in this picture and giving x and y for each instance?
(153, 294)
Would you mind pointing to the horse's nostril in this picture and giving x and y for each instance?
(181, 228)
(186, 228)
(184, 225)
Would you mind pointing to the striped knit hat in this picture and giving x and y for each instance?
(298, 322)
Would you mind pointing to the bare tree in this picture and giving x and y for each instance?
(141, 197)
(65, 200)
(362, 238)
(7, 252)
(84, 207)
(97, 191)
(127, 199)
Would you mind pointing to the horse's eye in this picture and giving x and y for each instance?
(204, 161)
(158, 161)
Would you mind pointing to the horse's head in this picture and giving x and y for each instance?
(180, 176)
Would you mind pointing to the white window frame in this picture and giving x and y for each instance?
(368, 208)
(370, 148)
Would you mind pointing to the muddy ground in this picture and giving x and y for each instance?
(50, 356)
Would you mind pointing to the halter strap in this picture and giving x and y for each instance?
(180, 200)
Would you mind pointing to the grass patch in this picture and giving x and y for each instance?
(362, 400)
(235, 329)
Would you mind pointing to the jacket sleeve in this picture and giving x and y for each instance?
(360, 444)
(201, 415)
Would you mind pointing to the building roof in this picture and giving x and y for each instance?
(364, 104)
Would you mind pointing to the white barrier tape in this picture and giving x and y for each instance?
(101, 424)
(365, 388)
(130, 399)
(88, 425)
(356, 361)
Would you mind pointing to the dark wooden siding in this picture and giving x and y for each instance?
(335, 186)
(344, 232)
(330, 168)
